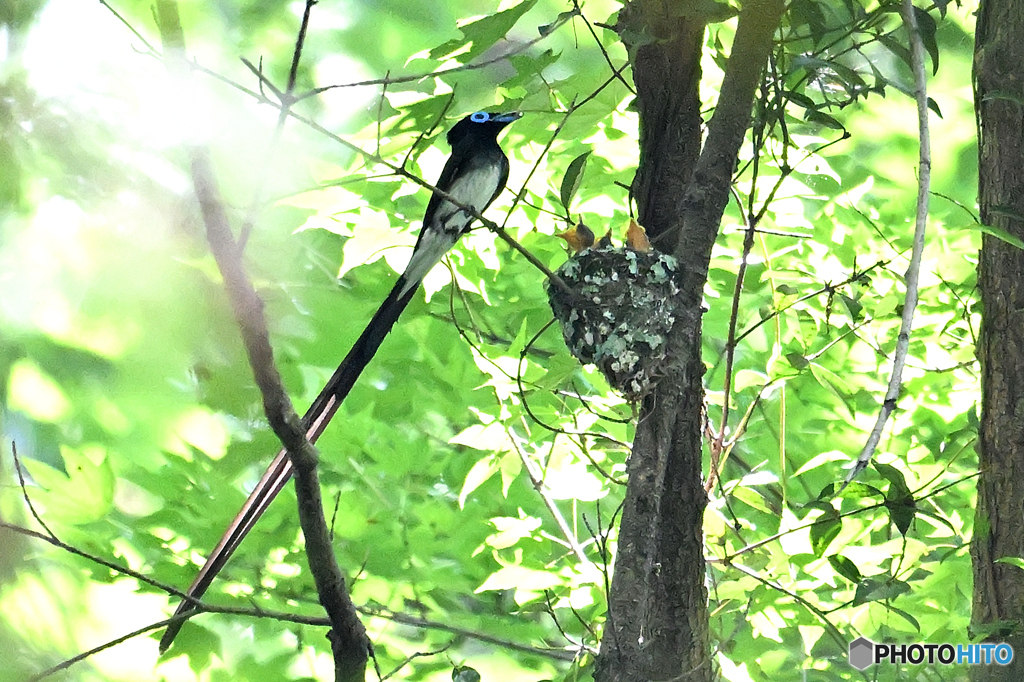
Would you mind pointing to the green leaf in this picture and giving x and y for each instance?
(465, 674)
(852, 306)
(483, 33)
(1011, 560)
(926, 29)
(814, 116)
(752, 497)
(797, 360)
(477, 476)
(825, 529)
(898, 487)
(200, 643)
(517, 577)
(818, 460)
(83, 492)
(833, 383)
(899, 501)
(788, 290)
(902, 513)
(511, 530)
(872, 590)
(834, 69)
(896, 48)
(998, 233)
(914, 623)
(545, 29)
(801, 99)
(528, 66)
(582, 668)
(845, 568)
(571, 180)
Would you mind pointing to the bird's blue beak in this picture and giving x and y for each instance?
(507, 118)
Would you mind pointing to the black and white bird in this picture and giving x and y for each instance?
(473, 176)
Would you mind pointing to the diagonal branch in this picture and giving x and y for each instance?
(349, 642)
(924, 175)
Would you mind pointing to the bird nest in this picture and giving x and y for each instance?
(621, 310)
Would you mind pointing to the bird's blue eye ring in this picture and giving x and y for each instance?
(479, 117)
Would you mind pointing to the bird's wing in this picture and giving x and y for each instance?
(471, 180)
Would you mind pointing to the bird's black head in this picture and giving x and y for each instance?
(480, 124)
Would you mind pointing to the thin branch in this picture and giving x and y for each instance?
(537, 481)
(402, 172)
(204, 607)
(550, 610)
(828, 288)
(837, 636)
(64, 665)
(569, 111)
(287, 100)
(71, 549)
(522, 47)
(921, 223)
(730, 344)
(604, 52)
(556, 654)
(707, 193)
(916, 494)
(411, 657)
(24, 493)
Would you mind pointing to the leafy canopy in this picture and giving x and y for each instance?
(138, 425)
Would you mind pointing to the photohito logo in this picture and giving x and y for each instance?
(863, 652)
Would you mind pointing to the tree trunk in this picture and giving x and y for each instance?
(657, 626)
(998, 609)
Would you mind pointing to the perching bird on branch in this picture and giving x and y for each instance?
(473, 176)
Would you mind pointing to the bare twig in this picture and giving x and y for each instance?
(604, 52)
(71, 549)
(65, 664)
(417, 654)
(730, 346)
(833, 631)
(287, 100)
(402, 172)
(827, 289)
(556, 654)
(203, 607)
(537, 481)
(24, 493)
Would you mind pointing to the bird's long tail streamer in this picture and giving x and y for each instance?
(316, 419)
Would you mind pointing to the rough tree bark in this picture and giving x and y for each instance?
(657, 625)
(998, 609)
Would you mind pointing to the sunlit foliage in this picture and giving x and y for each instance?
(476, 472)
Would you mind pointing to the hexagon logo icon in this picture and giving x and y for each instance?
(861, 653)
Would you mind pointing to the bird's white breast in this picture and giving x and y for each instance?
(475, 189)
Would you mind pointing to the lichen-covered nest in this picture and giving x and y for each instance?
(623, 306)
